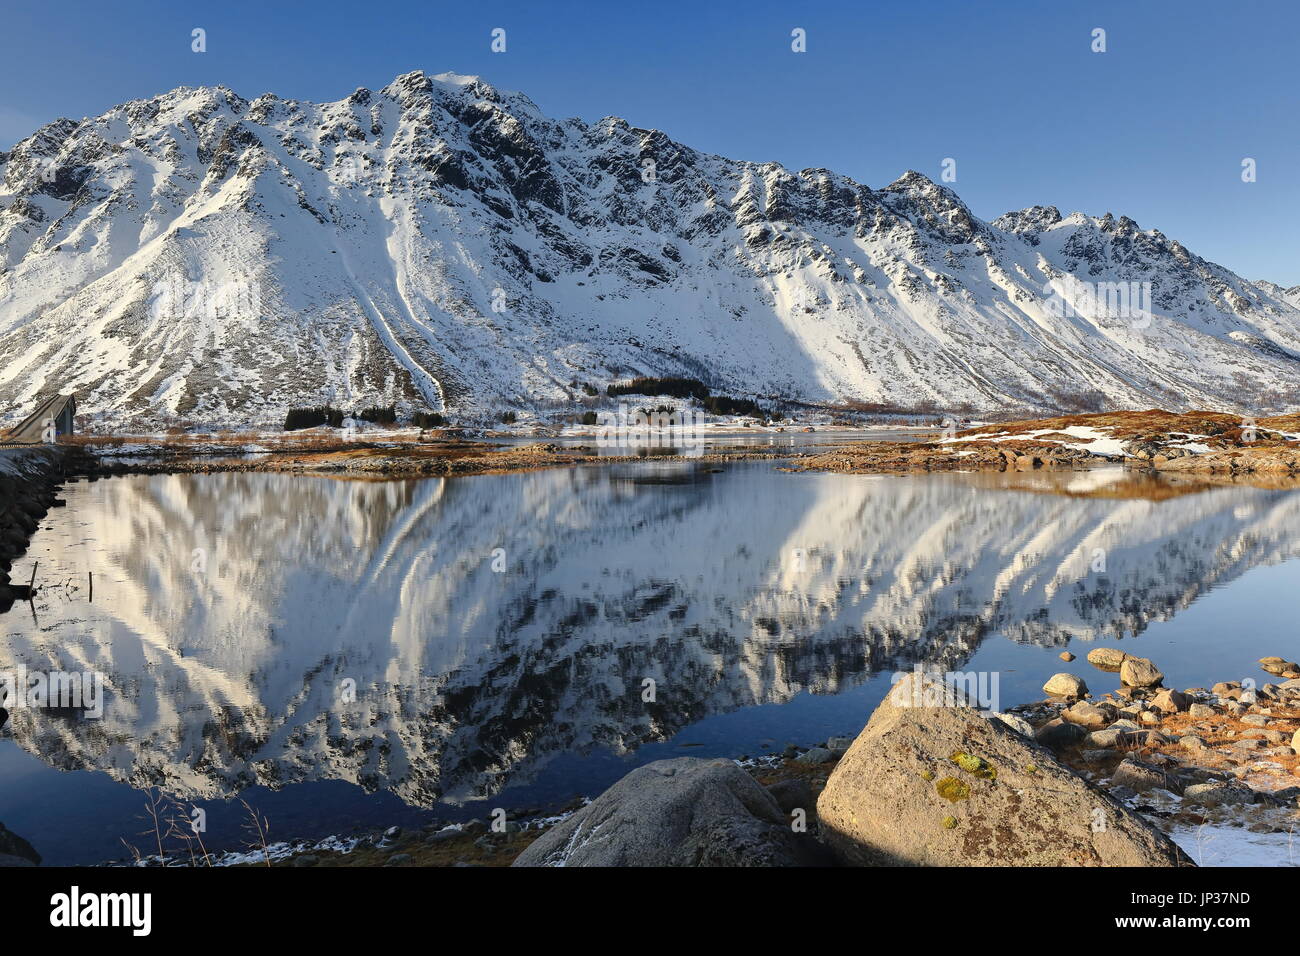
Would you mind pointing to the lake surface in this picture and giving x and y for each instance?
(351, 654)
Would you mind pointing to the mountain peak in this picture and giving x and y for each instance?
(911, 180)
(466, 253)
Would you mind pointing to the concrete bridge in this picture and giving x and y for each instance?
(53, 416)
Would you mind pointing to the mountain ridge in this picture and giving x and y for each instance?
(442, 243)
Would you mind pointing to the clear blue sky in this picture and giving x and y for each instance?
(1155, 128)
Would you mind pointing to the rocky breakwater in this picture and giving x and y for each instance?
(930, 781)
(29, 485)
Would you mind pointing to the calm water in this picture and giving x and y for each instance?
(498, 630)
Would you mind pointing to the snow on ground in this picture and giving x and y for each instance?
(1091, 440)
(1193, 443)
(1221, 843)
(1217, 844)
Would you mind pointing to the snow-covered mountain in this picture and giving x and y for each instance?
(443, 244)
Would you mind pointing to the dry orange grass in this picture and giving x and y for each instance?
(1223, 731)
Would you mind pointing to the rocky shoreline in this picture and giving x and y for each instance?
(1140, 775)
(1136, 776)
(1201, 443)
(1210, 445)
(382, 461)
(30, 479)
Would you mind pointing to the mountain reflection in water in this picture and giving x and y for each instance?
(491, 624)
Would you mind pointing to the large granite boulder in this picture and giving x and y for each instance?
(683, 812)
(941, 786)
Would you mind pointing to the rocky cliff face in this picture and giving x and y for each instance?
(442, 243)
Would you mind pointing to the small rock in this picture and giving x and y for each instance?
(1090, 716)
(1105, 738)
(1276, 665)
(1107, 658)
(1201, 711)
(1256, 720)
(1227, 689)
(815, 755)
(1217, 794)
(1014, 721)
(1140, 672)
(1191, 742)
(1171, 701)
(1067, 656)
(306, 859)
(1065, 685)
(1149, 717)
(1138, 776)
(839, 745)
(399, 859)
(1142, 738)
(1059, 733)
